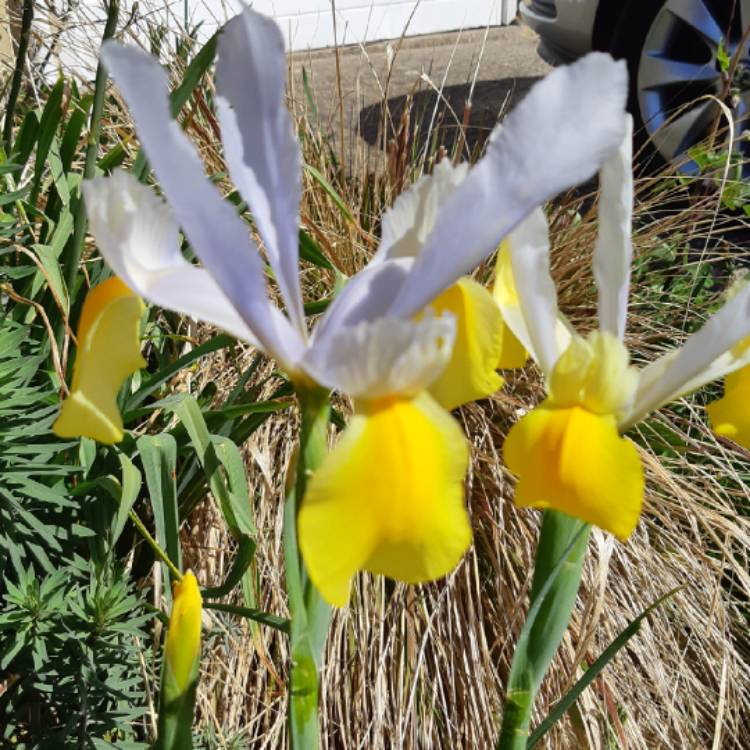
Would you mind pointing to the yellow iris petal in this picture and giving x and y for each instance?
(388, 498)
(576, 462)
(513, 353)
(108, 351)
(730, 415)
(471, 372)
(184, 634)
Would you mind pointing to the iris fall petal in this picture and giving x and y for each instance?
(576, 462)
(108, 351)
(388, 498)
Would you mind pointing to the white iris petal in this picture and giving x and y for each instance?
(262, 152)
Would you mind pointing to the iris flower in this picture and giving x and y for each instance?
(569, 452)
(407, 338)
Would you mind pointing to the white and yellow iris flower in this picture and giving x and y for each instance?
(569, 453)
(407, 338)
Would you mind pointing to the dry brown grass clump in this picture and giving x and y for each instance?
(425, 667)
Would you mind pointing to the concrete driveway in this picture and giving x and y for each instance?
(437, 74)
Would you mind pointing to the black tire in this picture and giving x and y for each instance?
(626, 44)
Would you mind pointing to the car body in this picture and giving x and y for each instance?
(689, 63)
(565, 27)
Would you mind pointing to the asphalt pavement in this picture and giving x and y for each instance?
(436, 75)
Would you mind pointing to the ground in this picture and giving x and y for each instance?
(500, 69)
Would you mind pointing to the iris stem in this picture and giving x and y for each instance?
(557, 577)
(310, 614)
(158, 551)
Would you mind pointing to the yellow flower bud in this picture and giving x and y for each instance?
(184, 635)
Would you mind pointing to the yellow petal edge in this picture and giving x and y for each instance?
(730, 415)
(108, 351)
(388, 499)
(184, 634)
(471, 372)
(576, 462)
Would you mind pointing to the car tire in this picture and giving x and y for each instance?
(627, 44)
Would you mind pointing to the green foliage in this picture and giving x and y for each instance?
(69, 623)
(69, 646)
(35, 513)
(723, 170)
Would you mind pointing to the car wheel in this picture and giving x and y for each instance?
(678, 53)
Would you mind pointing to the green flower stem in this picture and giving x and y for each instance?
(557, 576)
(158, 551)
(310, 614)
(176, 709)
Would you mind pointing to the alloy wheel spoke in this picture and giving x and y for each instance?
(695, 14)
(657, 71)
(684, 130)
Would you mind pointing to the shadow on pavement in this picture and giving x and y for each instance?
(427, 114)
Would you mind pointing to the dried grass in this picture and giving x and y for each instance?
(424, 667)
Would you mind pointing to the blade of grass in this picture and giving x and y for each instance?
(75, 249)
(159, 458)
(593, 671)
(242, 561)
(331, 191)
(15, 86)
(161, 377)
(257, 615)
(48, 127)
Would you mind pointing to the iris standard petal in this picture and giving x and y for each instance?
(261, 149)
(730, 415)
(613, 252)
(184, 633)
(365, 297)
(136, 233)
(108, 351)
(516, 338)
(388, 498)
(577, 462)
(471, 372)
(557, 137)
(408, 223)
(528, 245)
(216, 232)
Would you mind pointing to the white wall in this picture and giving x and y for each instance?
(306, 24)
(309, 24)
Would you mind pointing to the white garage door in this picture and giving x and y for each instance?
(309, 23)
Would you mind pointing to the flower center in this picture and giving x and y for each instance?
(595, 374)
